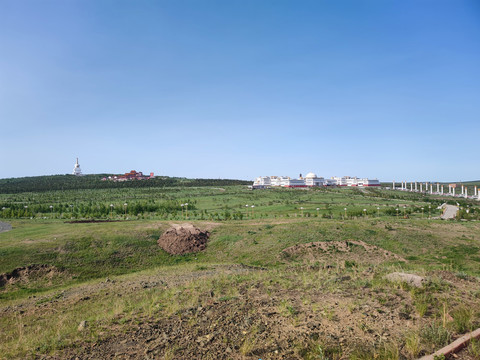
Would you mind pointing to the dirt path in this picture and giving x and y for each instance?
(450, 212)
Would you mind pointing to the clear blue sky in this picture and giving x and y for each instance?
(237, 89)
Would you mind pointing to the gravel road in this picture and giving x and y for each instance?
(5, 227)
(450, 212)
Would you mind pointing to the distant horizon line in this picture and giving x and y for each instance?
(107, 173)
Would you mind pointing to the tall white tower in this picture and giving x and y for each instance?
(76, 170)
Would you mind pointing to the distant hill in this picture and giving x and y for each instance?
(468, 183)
(70, 182)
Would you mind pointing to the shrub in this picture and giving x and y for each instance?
(412, 344)
(435, 334)
(474, 348)
(462, 319)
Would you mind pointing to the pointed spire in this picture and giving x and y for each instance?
(76, 169)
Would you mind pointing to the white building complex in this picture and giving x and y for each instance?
(311, 180)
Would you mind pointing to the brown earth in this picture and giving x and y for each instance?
(358, 251)
(183, 239)
(26, 274)
(263, 320)
(91, 221)
(257, 323)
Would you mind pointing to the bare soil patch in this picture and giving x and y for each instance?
(341, 250)
(27, 274)
(120, 286)
(252, 325)
(183, 239)
(90, 221)
(262, 320)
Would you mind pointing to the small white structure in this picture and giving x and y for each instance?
(263, 181)
(312, 179)
(76, 170)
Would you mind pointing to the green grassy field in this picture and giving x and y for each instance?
(244, 262)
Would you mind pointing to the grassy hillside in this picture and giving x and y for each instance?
(278, 282)
(71, 182)
(89, 251)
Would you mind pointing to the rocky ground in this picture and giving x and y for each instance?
(262, 321)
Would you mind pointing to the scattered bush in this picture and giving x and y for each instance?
(412, 344)
(462, 319)
(435, 334)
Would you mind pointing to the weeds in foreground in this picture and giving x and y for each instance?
(462, 319)
(315, 352)
(361, 354)
(474, 348)
(329, 313)
(170, 353)
(412, 344)
(422, 302)
(435, 335)
(462, 275)
(249, 342)
(287, 309)
(389, 351)
(386, 351)
(318, 351)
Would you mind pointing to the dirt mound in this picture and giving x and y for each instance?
(346, 250)
(27, 274)
(183, 239)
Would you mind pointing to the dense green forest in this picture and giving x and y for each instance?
(71, 182)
